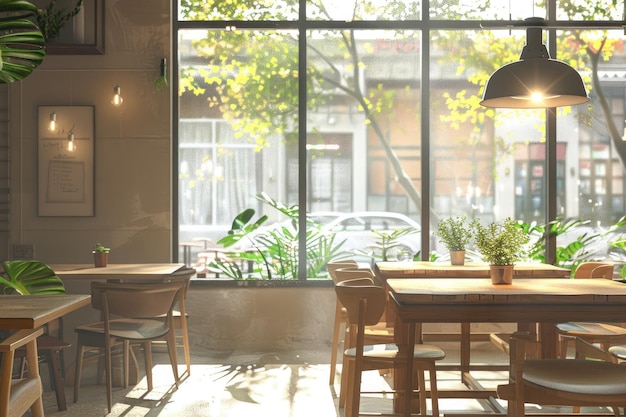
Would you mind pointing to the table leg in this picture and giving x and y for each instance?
(548, 337)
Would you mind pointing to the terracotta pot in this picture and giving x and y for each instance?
(100, 259)
(457, 257)
(501, 274)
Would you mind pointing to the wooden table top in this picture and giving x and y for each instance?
(116, 271)
(33, 311)
(417, 269)
(527, 290)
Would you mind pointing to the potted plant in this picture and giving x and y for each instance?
(501, 244)
(455, 233)
(100, 255)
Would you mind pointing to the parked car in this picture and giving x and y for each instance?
(358, 231)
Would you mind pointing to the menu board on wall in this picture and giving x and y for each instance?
(66, 160)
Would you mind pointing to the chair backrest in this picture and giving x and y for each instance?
(136, 300)
(365, 303)
(17, 397)
(344, 274)
(585, 269)
(331, 267)
(604, 271)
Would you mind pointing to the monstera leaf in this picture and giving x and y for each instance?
(22, 46)
(29, 277)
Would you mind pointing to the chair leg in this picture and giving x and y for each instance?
(171, 350)
(434, 393)
(345, 373)
(54, 366)
(80, 350)
(335, 344)
(147, 355)
(108, 372)
(422, 391)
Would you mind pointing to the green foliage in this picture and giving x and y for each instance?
(500, 243)
(29, 277)
(52, 19)
(454, 232)
(21, 41)
(576, 251)
(388, 246)
(275, 250)
(99, 247)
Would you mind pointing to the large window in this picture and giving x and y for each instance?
(372, 108)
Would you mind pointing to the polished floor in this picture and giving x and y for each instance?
(272, 384)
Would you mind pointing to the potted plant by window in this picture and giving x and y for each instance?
(455, 233)
(100, 255)
(501, 244)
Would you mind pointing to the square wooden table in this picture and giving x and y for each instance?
(34, 311)
(544, 301)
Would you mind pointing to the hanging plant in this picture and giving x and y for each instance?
(52, 19)
(21, 41)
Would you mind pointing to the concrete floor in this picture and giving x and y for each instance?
(246, 384)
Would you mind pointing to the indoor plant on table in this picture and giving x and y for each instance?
(501, 244)
(455, 233)
(100, 255)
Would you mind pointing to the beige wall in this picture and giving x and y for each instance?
(132, 143)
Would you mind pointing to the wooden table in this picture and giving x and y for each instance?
(119, 272)
(422, 269)
(34, 311)
(544, 301)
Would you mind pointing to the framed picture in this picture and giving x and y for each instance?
(82, 34)
(65, 160)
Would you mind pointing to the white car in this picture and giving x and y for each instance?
(357, 229)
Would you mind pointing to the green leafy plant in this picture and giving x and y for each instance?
(500, 243)
(29, 277)
(52, 19)
(454, 232)
(100, 248)
(275, 250)
(388, 246)
(21, 41)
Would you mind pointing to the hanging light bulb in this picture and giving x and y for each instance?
(536, 80)
(71, 145)
(117, 97)
(53, 122)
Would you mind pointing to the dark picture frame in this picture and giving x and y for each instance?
(83, 34)
(66, 179)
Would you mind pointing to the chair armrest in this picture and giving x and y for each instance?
(19, 339)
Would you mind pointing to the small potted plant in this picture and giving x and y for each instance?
(455, 233)
(100, 255)
(501, 244)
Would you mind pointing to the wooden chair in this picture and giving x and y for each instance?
(180, 315)
(379, 333)
(559, 382)
(341, 316)
(18, 396)
(50, 345)
(366, 304)
(604, 334)
(130, 314)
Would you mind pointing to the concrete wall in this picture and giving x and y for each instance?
(133, 170)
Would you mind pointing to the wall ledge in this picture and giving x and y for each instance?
(259, 283)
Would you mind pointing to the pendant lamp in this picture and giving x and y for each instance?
(536, 80)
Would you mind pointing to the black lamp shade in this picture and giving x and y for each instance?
(513, 85)
(535, 81)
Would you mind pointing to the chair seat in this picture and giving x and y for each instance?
(390, 351)
(619, 351)
(577, 376)
(583, 329)
(132, 329)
